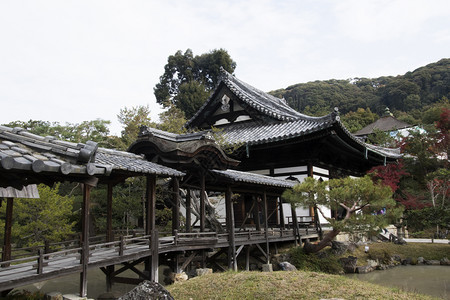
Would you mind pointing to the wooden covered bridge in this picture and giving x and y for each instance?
(273, 147)
(27, 159)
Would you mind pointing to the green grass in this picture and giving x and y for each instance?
(282, 285)
(412, 250)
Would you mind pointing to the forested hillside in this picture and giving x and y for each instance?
(408, 96)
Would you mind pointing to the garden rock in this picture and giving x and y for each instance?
(349, 264)
(148, 290)
(364, 269)
(432, 262)
(445, 262)
(286, 266)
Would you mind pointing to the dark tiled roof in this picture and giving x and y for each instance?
(174, 137)
(238, 176)
(254, 133)
(24, 151)
(257, 133)
(266, 104)
(387, 123)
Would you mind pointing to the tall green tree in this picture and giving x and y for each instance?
(357, 201)
(132, 119)
(188, 79)
(45, 218)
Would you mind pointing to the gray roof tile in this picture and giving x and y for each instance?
(238, 176)
(21, 150)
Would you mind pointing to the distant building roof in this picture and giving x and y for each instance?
(386, 123)
(26, 158)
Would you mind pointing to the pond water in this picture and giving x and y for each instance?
(430, 280)
(70, 284)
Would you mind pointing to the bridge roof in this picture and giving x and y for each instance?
(246, 177)
(26, 158)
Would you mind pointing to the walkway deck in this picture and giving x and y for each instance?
(47, 266)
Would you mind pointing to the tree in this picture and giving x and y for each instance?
(45, 218)
(188, 79)
(132, 119)
(172, 120)
(356, 120)
(357, 201)
(95, 130)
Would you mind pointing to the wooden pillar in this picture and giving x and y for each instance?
(266, 226)
(202, 202)
(280, 203)
(232, 261)
(247, 258)
(188, 211)
(85, 239)
(109, 234)
(6, 254)
(295, 224)
(109, 200)
(176, 205)
(150, 216)
(154, 247)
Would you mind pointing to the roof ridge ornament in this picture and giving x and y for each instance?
(335, 114)
(87, 153)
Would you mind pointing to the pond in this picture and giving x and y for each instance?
(430, 280)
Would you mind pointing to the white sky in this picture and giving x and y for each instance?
(73, 61)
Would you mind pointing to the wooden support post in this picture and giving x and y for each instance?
(232, 259)
(6, 254)
(150, 204)
(280, 203)
(202, 202)
(150, 215)
(85, 239)
(256, 214)
(266, 226)
(176, 204)
(109, 234)
(294, 223)
(247, 258)
(40, 264)
(155, 256)
(109, 278)
(188, 211)
(109, 200)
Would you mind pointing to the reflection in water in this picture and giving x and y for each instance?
(70, 284)
(430, 280)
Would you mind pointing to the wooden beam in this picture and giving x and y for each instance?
(85, 239)
(188, 261)
(6, 254)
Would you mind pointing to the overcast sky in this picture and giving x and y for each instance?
(73, 61)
